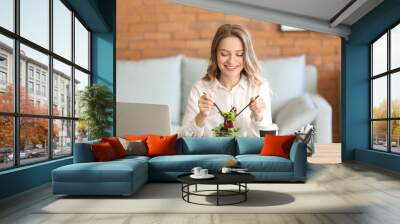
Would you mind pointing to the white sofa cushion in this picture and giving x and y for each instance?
(286, 79)
(296, 114)
(152, 81)
(193, 69)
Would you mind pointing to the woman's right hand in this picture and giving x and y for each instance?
(206, 103)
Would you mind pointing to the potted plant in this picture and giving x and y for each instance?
(97, 103)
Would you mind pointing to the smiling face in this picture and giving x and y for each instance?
(230, 54)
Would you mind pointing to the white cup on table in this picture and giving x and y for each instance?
(196, 170)
(203, 172)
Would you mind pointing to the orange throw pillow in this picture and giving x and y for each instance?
(161, 145)
(116, 145)
(103, 152)
(135, 137)
(277, 145)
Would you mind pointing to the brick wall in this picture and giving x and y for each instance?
(157, 28)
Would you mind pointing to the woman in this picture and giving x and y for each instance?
(232, 80)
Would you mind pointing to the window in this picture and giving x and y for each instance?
(34, 21)
(62, 74)
(81, 45)
(385, 94)
(3, 71)
(7, 14)
(37, 75)
(30, 87)
(62, 29)
(55, 130)
(3, 61)
(3, 78)
(43, 90)
(30, 72)
(81, 81)
(38, 89)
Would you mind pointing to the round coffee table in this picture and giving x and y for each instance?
(238, 179)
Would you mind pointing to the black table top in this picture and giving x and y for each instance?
(220, 178)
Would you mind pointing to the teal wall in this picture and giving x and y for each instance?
(99, 16)
(104, 52)
(24, 178)
(355, 86)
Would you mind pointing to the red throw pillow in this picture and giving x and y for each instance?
(277, 145)
(161, 145)
(103, 152)
(116, 145)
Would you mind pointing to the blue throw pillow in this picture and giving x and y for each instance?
(249, 145)
(206, 145)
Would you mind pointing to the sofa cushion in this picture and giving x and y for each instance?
(138, 80)
(136, 137)
(134, 147)
(83, 152)
(277, 145)
(103, 152)
(193, 69)
(257, 163)
(185, 163)
(206, 145)
(161, 145)
(249, 145)
(112, 171)
(131, 158)
(296, 114)
(116, 145)
(286, 79)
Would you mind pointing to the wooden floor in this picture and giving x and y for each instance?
(326, 154)
(377, 188)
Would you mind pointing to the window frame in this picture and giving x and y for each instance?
(16, 115)
(388, 74)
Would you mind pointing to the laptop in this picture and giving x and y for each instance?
(140, 119)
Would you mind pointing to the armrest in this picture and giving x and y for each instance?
(298, 155)
(83, 152)
(323, 122)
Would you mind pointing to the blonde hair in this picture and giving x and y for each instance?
(251, 69)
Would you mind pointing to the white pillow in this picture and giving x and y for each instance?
(151, 81)
(193, 69)
(296, 114)
(286, 79)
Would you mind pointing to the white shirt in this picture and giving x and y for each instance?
(238, 97)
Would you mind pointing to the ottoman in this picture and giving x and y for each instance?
(118, 177)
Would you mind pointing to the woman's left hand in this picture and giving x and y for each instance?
(257, 106)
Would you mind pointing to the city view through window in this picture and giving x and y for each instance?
(39, 114)
(385, 91)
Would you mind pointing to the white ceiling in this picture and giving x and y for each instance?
(324, 16)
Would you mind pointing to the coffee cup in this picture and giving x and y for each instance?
(268, 132)
(271, 129)
(226, 170)
(196, 170)
(203, 172)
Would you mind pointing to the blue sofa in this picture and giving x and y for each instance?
(125, 176)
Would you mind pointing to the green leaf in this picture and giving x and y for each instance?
(97, 105)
